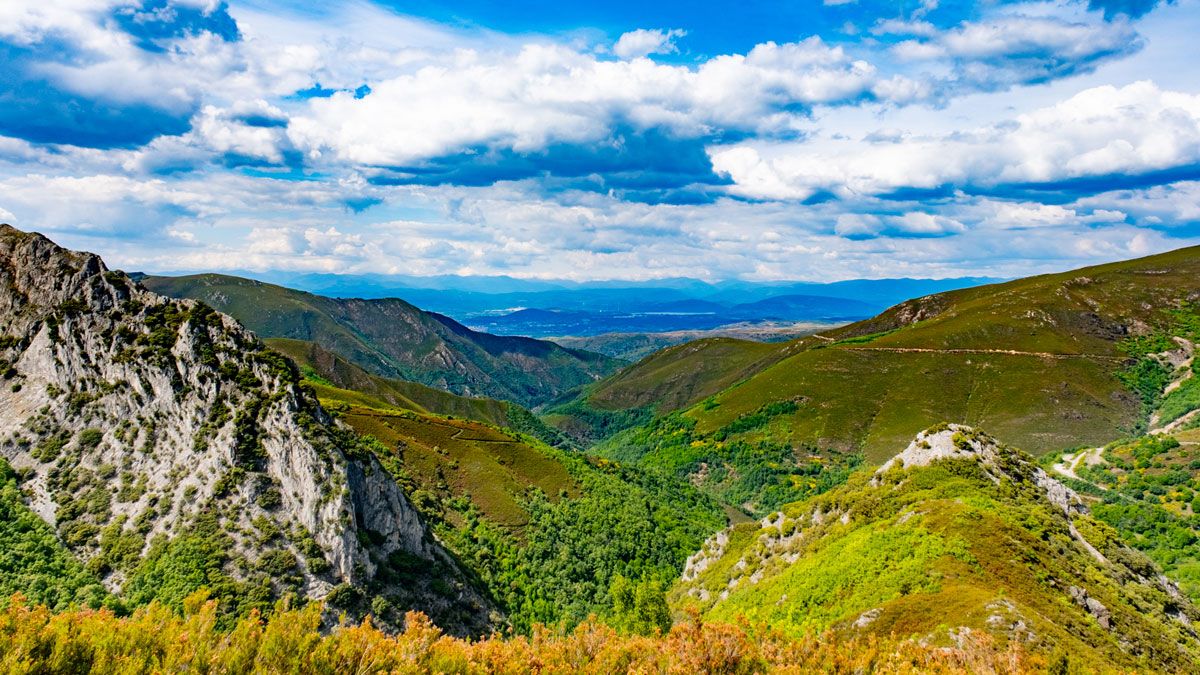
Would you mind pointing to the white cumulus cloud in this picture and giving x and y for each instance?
(643, 42)
(546, 94)
(1101, 131)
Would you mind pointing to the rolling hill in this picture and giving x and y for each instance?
(391, 338)
(667, 380)
(1045, 362)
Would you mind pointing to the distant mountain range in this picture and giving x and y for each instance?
(675, 315)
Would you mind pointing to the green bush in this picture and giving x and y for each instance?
(33, 562)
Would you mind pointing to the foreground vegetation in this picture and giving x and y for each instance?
(155, 639)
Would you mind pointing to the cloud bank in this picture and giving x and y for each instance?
(995, 138)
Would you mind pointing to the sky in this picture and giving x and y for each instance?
(756, 140)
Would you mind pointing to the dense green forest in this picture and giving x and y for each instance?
(741, 468)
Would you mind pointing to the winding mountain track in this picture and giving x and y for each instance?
(456, 436)
(1004, 352)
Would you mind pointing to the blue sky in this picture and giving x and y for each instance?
(766, 139)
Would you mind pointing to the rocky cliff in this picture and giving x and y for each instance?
(134, 420)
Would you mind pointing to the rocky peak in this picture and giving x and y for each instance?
(129, 416)
(1000, 462)
(947, 441)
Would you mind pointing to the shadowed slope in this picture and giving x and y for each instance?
(392, 338)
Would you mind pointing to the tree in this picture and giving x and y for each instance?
(639, 607)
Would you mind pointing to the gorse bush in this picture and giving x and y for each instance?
(155, 639)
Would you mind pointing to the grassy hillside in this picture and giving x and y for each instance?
(959, 536)
(1047, 362)
(680, 376)
(868, 401)
(445, 458)
(392, 338)
(668, 380)
(326, 369)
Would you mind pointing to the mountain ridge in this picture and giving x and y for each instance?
(1041, 360)
(392, 338)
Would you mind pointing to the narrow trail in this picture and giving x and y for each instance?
(1070, 463)
(1006, 352)
(1177, 424)
(456, 436)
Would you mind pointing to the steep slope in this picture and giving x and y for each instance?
(170, 450)
(1044, 361)
(957, 535)
(335, 378)
(681, 376)
(33, 561)
(1146, 488)
(392, 338)
(667, 380)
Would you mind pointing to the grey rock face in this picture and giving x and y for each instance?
(133, 414)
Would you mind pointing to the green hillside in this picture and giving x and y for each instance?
(1148, 489)
(394, 339)
(513, 509)
(680, 376)
(668, 380)
(33, 561)
(326, 369)
(959, 535)
(1047, 362)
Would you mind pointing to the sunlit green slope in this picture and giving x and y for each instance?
(958, 535)
(1040, 361)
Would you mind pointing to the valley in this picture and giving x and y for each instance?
(637, 346)
(840, 484)
(391, 338)
(836, 337)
